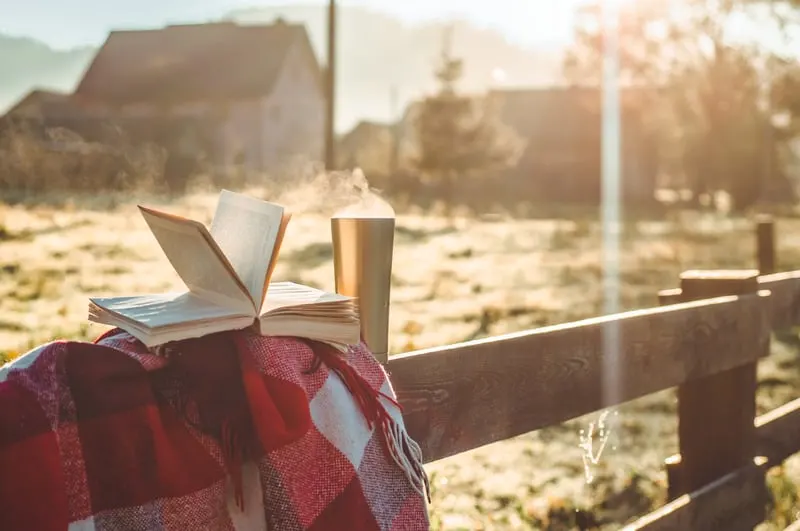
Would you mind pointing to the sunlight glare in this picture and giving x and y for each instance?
(499, 75)
(611, 140)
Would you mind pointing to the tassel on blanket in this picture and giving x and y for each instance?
(232, 453)
(404, 451)
(212, 398)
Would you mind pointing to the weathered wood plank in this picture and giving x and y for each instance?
(669, 296)
(785, 300)
(778, 433)
(716, 434)
(732, 503)
(766, 257)
(777, 438)
(460, 397)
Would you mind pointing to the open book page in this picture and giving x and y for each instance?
(158, 319)
(337, 334)
(284, 295)
(165, 310)
(198, 260)
(248, 231)
(295, 310)
(274, 260)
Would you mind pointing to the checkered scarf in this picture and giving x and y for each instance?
(230, 432)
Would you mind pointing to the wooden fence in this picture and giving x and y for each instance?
(706, 340)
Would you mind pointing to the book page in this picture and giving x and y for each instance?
(164, 310)
(248, 231)
(198, 260)
(292, 309)
(282, 295)
(275, 253)
(347, 333)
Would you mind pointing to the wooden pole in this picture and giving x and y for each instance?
(765, 245)
(669, 296)
(394, 155)
(716, 414)
(766, 258)
(330, 87)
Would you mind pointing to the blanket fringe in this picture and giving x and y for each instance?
(232, 453)
(407, 454)
(403, 450)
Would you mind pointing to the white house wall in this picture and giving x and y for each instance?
(242, 133)
(294, 114)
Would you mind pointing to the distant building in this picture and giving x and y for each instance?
(39, 103)
(562, 127)
(39, 113)
(367, 146)
(258, 88)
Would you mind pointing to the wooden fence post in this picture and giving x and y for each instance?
(765, 245)
(716, 414)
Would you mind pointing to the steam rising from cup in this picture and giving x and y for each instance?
(363, 244)
(369, 205)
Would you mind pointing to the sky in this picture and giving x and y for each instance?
(69, 23)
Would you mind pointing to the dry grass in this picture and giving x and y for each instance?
(452, 282)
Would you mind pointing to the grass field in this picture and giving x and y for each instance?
(453, 281)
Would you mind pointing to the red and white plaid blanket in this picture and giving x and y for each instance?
(229, 432)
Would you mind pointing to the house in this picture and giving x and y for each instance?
(40, 109)
(369, 146)
(39, 103)
(562, 128)
(561, 131)
(41, 114)
(257, 90)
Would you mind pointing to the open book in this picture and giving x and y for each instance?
(227, 272)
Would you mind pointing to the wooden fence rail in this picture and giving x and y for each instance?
(706, 340)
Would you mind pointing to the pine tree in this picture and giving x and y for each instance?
(459, 136)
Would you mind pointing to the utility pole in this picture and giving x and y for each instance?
(395, 128)
(330, 86)
(767, 182)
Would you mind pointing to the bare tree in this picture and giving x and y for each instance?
(714, 98)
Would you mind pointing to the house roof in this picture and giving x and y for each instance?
(38, 102)
(556, 112)
(191, 62)
(363, 132)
